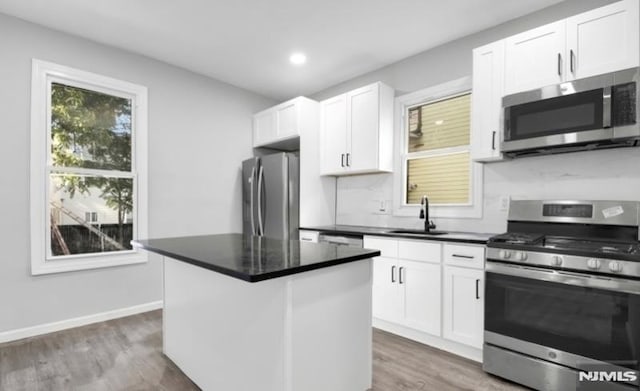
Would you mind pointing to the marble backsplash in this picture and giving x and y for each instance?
(607, 174)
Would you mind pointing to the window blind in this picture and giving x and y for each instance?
(440, 124)
(443, 178)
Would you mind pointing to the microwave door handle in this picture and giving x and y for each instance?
(507, 124)
(606, 107)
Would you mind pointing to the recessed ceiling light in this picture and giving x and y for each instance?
(298, 58)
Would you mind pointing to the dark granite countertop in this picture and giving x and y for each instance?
(357, 230)
(253, 258)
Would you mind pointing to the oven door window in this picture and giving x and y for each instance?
(598, 324)
(565, 114)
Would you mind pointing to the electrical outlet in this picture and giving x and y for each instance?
(381, 207)
(503, 203)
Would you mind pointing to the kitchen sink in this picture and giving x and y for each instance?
(417, 232)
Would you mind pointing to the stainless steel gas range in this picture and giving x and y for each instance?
(562, 296)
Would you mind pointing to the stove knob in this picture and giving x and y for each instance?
(593, 264)
(556, 260)
(521, 256)
(505, 254)
(615, 266)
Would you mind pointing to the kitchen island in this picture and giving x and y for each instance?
(252, 313)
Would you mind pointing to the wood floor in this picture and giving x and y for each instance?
(400, 364)
(126, 354)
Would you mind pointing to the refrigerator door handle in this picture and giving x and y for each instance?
(260, 179)
(252, 206)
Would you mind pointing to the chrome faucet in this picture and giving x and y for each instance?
(424, 214)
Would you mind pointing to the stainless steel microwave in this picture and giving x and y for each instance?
(590, 113)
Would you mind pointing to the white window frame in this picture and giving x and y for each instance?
(403, 103)
(43, 75)
(89, 217)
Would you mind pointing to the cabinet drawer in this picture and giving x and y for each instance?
(419, 250)
(464, 255)
(388, 247)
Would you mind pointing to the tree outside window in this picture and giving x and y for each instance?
(90, 130)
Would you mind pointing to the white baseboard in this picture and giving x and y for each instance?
(437, 342)
(13, 335)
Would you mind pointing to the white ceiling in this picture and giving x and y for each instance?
(247, 43)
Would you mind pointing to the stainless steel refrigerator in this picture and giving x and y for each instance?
(270, 188)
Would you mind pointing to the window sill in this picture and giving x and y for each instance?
(42, 267)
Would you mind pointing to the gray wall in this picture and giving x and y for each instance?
(604, 174)
(199, 132)
(453, 60)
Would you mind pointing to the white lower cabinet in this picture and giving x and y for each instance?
(406, 291)
(386, 293)
(430, 291)
(463, 305)
(420, 292)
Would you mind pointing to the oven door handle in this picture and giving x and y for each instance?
(567, 278)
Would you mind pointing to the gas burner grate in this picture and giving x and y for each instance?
(518, 238)
(597, 246)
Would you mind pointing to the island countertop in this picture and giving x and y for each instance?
(253, 258)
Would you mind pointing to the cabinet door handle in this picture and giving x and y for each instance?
(342, 160)
(462, 256)
(348, 162)
(477, 289)
(306, 239)
(571, 61)
(400, 275)
(493, 140)
(393, 273)
(559, 64)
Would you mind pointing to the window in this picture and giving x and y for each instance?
(437, 159)
(90, 217)
(88, 159)
(433, 157)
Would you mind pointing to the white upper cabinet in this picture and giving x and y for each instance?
(264, 128)
(357, 131)
(486, 101)
(287, 118)
(333, 125)
(364, 123)
(282, 122)
(535, 58)
(604, 40)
